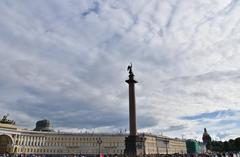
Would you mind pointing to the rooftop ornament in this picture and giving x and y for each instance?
(4, 120)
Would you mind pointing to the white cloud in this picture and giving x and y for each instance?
(70, 57)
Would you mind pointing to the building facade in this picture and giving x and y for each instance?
(163, 145)
(14, 140)
(193, 147)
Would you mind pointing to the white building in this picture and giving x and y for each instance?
(15, 140)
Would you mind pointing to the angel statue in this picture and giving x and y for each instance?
(129, 68)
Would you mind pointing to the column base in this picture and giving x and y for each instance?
(134, 146)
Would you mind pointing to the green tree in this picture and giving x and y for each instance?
(231, 144)
(237, 144)
(226, 146)
(217, 146)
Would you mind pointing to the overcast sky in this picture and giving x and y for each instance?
(66, 61)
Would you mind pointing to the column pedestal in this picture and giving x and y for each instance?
(134, 146)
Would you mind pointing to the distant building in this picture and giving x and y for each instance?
(193, 147)
(44, 125)
(44, 140)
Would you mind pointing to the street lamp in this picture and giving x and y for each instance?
(166, 142)
(144, 148)
(99, 141)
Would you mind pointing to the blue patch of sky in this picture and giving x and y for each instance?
(210, 115)
(236, 122)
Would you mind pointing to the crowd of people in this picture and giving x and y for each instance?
(216, 154)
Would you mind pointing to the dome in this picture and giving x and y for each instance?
(43, 125)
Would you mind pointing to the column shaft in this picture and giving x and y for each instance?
(132, 109)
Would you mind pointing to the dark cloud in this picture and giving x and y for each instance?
(175, 128)
(145, 121)
(95, 9)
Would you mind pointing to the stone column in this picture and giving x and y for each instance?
(132, 105)
(131, 141)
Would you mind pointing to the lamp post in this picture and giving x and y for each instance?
(166, 142)
(167, 147)
(99, 141)
(144, 148)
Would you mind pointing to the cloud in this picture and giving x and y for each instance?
(211, 115)
(66, 61)
(175, 128)
(94, 9)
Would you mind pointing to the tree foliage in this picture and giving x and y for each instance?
(226, 146)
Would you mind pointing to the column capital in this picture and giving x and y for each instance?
(131, 79)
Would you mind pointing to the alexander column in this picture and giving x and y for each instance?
(132, 139)
(132, 102)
